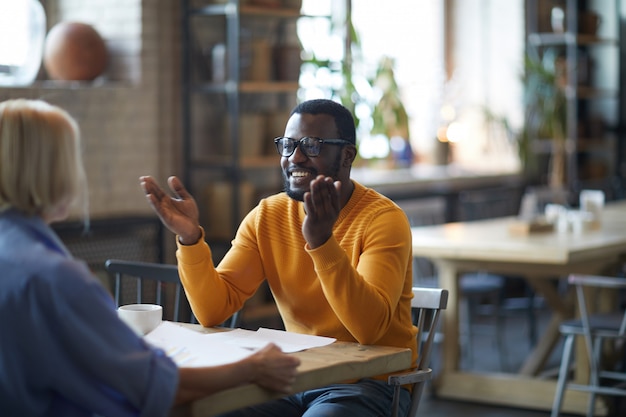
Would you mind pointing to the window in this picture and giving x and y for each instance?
(485, 44)
(23, 22)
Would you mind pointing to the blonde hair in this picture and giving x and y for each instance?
(41, 167)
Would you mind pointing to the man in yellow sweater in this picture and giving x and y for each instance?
(336, 255)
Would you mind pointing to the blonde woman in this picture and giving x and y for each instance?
(63, 351)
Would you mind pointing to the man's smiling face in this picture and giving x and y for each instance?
(298, 169)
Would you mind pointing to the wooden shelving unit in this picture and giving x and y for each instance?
(226, 118)
(591, 58)
(236, 99)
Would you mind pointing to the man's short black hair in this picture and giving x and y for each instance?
(342, 116)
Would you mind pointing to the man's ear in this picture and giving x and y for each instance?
(349, 155)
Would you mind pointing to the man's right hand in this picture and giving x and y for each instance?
(178, 213)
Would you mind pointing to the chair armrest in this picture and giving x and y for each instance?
(411, 377)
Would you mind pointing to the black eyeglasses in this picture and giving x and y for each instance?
(309, 145)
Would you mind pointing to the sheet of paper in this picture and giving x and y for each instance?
(288, 342)
(193, 349)
(190, 348)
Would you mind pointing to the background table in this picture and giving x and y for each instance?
(489, 246)
(337, 362)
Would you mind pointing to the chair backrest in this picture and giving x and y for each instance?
(154, 283)
(427, 305)
(425, 211)
(544, 195)
(598, 282)
(489, 203)
(149, 283)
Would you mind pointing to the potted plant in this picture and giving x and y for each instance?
(389, 116)
(545, 117)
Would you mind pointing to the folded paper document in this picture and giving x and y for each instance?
(191, 348)
(287, 341)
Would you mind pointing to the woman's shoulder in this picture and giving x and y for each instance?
(27, 260)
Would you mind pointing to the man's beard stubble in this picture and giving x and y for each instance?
(298, 195)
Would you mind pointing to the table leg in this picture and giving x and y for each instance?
(562, 309)
(531, 392)
(451, 349)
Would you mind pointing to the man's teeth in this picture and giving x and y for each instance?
(299, 174)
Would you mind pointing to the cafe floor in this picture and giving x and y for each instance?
(484, 356)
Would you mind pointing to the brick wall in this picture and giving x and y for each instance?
(130, 116)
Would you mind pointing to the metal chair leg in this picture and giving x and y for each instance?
(594, 378)
(563, 371)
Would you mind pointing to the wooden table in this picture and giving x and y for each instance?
(319, 366)
(488, 245)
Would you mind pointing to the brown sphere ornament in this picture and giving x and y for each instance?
(74, 51)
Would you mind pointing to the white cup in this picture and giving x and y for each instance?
(142, 318)
(579, 221)
(553, 211)
(592, 201)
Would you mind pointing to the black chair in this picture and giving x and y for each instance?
(425, 211)
(149, 282)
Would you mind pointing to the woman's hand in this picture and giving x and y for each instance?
(274, 369)
(269, 368)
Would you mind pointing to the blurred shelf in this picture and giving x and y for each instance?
(250, 87)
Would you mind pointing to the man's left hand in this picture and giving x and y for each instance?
(322, 208)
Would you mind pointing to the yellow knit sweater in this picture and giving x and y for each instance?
(355, 288)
